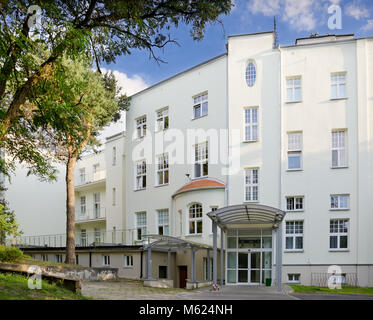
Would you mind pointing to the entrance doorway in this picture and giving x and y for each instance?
(249, 256)
(183, 275)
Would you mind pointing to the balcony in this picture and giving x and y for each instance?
(97, 214)
(90, 179)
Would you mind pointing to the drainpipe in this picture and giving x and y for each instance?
(141, 264)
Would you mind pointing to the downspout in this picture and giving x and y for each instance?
(141, 264)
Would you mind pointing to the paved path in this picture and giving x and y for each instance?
(134, 290)
(331, 296)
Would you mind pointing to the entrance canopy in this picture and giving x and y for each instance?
(174, 244)
(247, 214)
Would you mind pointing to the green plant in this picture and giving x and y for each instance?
(10, 254)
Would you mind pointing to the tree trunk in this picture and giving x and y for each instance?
(70, 210)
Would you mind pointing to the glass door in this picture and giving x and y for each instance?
(243, 267)
(255, 267)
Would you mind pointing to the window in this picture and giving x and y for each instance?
(97, 205)
(294, 203)
(44, 257)
(106, 260)
(163, 228)
(201, 164)
(162, 119)
(83, 237)
(295, 150)
(251, 185)
(141, 127)
(141, 175)
(97, 234)
(82, 175)
(338, 82)
(141, 225)
(96, 172)
(250, 74)
(82, 206)
(114, 196)
(162, 272)
(76, 259)
(200, 106)
(59, 258)
(339, 202)
(251, 124)
(293, 278)
(338, 234)
(162, 169)
(128, 261)
(339, 153)
(195, 219)
(114, 156)
(294, 89)
(294, 235)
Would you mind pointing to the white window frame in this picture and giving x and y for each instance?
(294, 235)
(141, 126)
(291, 85)
(251, 125)
(114, 156)
(337, 80)
(195, 215)
(200, 101)
(140, 175)
(162, 222)
(292, 276)
(251, 73)
(295, 203)
(128, 261)
(83, 237)
(338, 233)
(162, 119)
(97, 235)
(141, 227)
(162, 170)
(251, 184)
(97, 205)
(82, 175)
(339, 147)
(338, 202)
(201, 159)
(295, 148)
(83, 206)
(106, 260)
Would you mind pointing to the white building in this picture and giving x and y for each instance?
(300, 117)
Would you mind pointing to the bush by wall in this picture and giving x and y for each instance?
(10, 254)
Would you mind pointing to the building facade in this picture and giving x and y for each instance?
(262, 132)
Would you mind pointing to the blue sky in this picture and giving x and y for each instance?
(295, 19)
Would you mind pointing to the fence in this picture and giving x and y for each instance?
(322, 279)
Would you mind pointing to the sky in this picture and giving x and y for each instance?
(295, 19)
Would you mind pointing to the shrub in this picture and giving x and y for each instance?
(10, 254)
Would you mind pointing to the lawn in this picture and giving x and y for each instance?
(311, 289)
(14, 287)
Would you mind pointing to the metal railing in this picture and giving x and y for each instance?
(83, 239)
(322, 279)
(90, 215)
(89, 178)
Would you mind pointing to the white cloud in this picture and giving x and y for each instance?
(368, 26)
(129, 85)
(356, 10)
(265, 7)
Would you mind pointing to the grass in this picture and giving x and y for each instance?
(311, 289)
(15, 287)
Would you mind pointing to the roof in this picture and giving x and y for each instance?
(247, 214)
(172, 243)
(200, 184)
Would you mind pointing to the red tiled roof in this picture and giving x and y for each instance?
(200, 184)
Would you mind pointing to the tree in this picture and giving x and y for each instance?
(8, 223)
(72, 107)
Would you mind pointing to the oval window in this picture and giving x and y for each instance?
(250, 74)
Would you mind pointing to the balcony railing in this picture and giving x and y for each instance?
(91, 215)
(83, 239)
(90, 178)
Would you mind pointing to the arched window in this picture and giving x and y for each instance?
(251, 74)
(195, 219)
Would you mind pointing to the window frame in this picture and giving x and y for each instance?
(201, 158)
(293, 280)
(140, 175)
(338, 84)
(125, 261)
(338, 148)
(141, 126)
(97, 205)
(339, 234)
(251, 75)
(251, 125)
(106, 260)
(82, 175)
(251, 185)
(295, 198)
(160, 118)
(293, 87)
(83, 205)
(339, 208)
(196, 219)
(295, 151)
(141, 227)
(162, 166)
(294, 235)
(163, 224)
(200, 100)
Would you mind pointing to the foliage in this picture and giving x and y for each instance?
(8, 223)
(345, 289)
(10, 254)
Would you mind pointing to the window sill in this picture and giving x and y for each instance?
(294, 211)
(136, 190)
(128, 267)
(250, 141)
(294, 251)
(293, 102)
(257, 201)
(338, 210)
(344, 167)
(199, 178)
(339, 250)
(161, 185)
(338, 99)
(293, 170)
(199, 117)
(194, 235)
